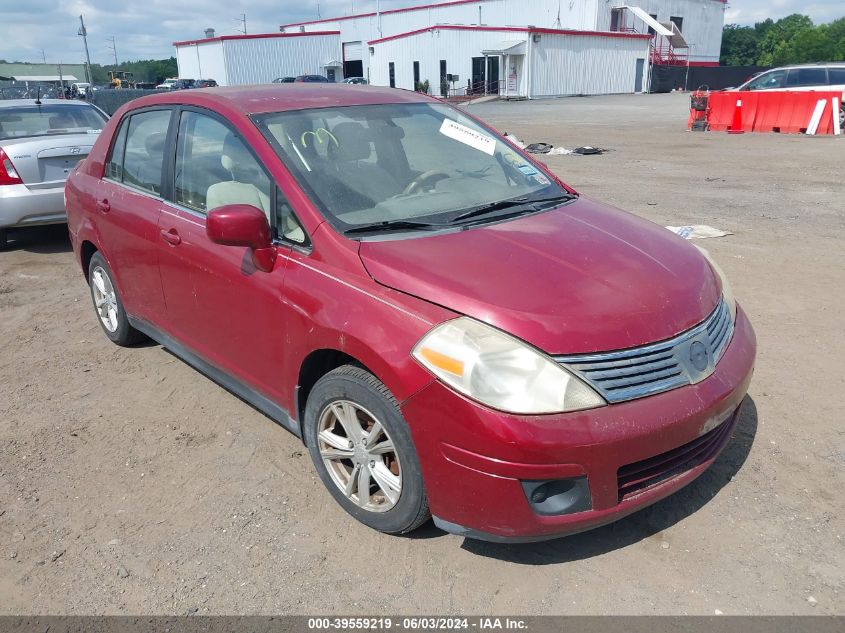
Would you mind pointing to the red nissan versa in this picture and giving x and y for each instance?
(450, 329)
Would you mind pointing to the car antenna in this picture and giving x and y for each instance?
(38, 96)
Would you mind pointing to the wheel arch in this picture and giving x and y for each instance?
(314, 366)
(86, 251)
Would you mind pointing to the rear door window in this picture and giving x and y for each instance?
(143, 150)
(807, 77)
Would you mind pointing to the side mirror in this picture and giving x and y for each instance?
(246, 226)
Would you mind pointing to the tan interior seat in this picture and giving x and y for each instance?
(236, 160)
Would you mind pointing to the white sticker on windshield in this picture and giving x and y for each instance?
(93, 131)
(468, 136)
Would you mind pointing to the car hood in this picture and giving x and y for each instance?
(581, 278)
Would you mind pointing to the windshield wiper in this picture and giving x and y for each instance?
(392, 225)
(528, 204)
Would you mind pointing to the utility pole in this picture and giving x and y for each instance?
(84, 33)
(242, 20)
(114, 50)
(43, 56)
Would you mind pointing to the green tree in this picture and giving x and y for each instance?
(739, 45)
(810, 45)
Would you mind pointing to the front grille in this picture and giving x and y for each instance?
(635, 478)
(643, 371)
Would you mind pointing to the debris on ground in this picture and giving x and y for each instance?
(122, 572)
(548, 148)
(697, 231)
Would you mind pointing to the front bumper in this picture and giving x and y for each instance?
(24, 206)
(475, 460)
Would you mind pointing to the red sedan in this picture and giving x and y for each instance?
(451, 330)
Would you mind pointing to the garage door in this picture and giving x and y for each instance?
(353, 51)
(353, 55)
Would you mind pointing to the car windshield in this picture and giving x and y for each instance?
(404, 165)
(44, 120)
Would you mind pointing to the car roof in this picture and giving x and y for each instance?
(815, 65)
(11, 103)
(275, 97)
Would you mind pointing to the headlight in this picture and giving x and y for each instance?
(501, 371)
(727, 291)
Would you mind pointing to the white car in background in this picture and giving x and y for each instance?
(829, 76)
(41, 141)
(168, 84)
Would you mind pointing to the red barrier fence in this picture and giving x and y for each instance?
(787, 112)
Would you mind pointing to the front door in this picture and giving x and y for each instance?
(478, 81)
(219, 305)
(129, 203)
(638, 77)
(493, 75)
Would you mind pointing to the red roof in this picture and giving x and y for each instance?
(511, 29)
(388, 12)
(418, 7)
(257, 36)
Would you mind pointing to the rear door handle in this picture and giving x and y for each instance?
(171, 237)
(103, 205)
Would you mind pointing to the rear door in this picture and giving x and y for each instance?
(128, 204)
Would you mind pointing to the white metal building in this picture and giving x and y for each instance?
(700, 21)
(512, 61)
(252, 59)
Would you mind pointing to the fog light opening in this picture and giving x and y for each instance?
(558, 496)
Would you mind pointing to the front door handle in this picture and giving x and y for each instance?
(103, 205)
(171, 237)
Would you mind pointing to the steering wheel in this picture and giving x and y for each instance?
(417, 183)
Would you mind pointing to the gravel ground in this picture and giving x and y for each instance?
(129, 483)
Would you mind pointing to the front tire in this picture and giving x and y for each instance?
(363, 452)
(108, 305)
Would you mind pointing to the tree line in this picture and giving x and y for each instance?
(790, 40)
(145, 70)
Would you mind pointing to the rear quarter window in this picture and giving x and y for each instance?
(836, 76)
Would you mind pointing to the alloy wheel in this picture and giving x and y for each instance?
(105, 298)
(359, 456)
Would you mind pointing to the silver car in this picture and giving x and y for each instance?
(40, 143)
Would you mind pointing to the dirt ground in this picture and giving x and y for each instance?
(129, 483)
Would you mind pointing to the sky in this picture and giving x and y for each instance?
(145, 29)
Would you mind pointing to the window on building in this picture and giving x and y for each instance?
(416, 74)
(653, 16)
(617, 19)
(392, 72)
(679, 22)
(442, 70)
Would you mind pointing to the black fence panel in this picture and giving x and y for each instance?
(668, 78)
(111, 100)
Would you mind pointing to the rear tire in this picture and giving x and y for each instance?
(356, 436)
(107, 304)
